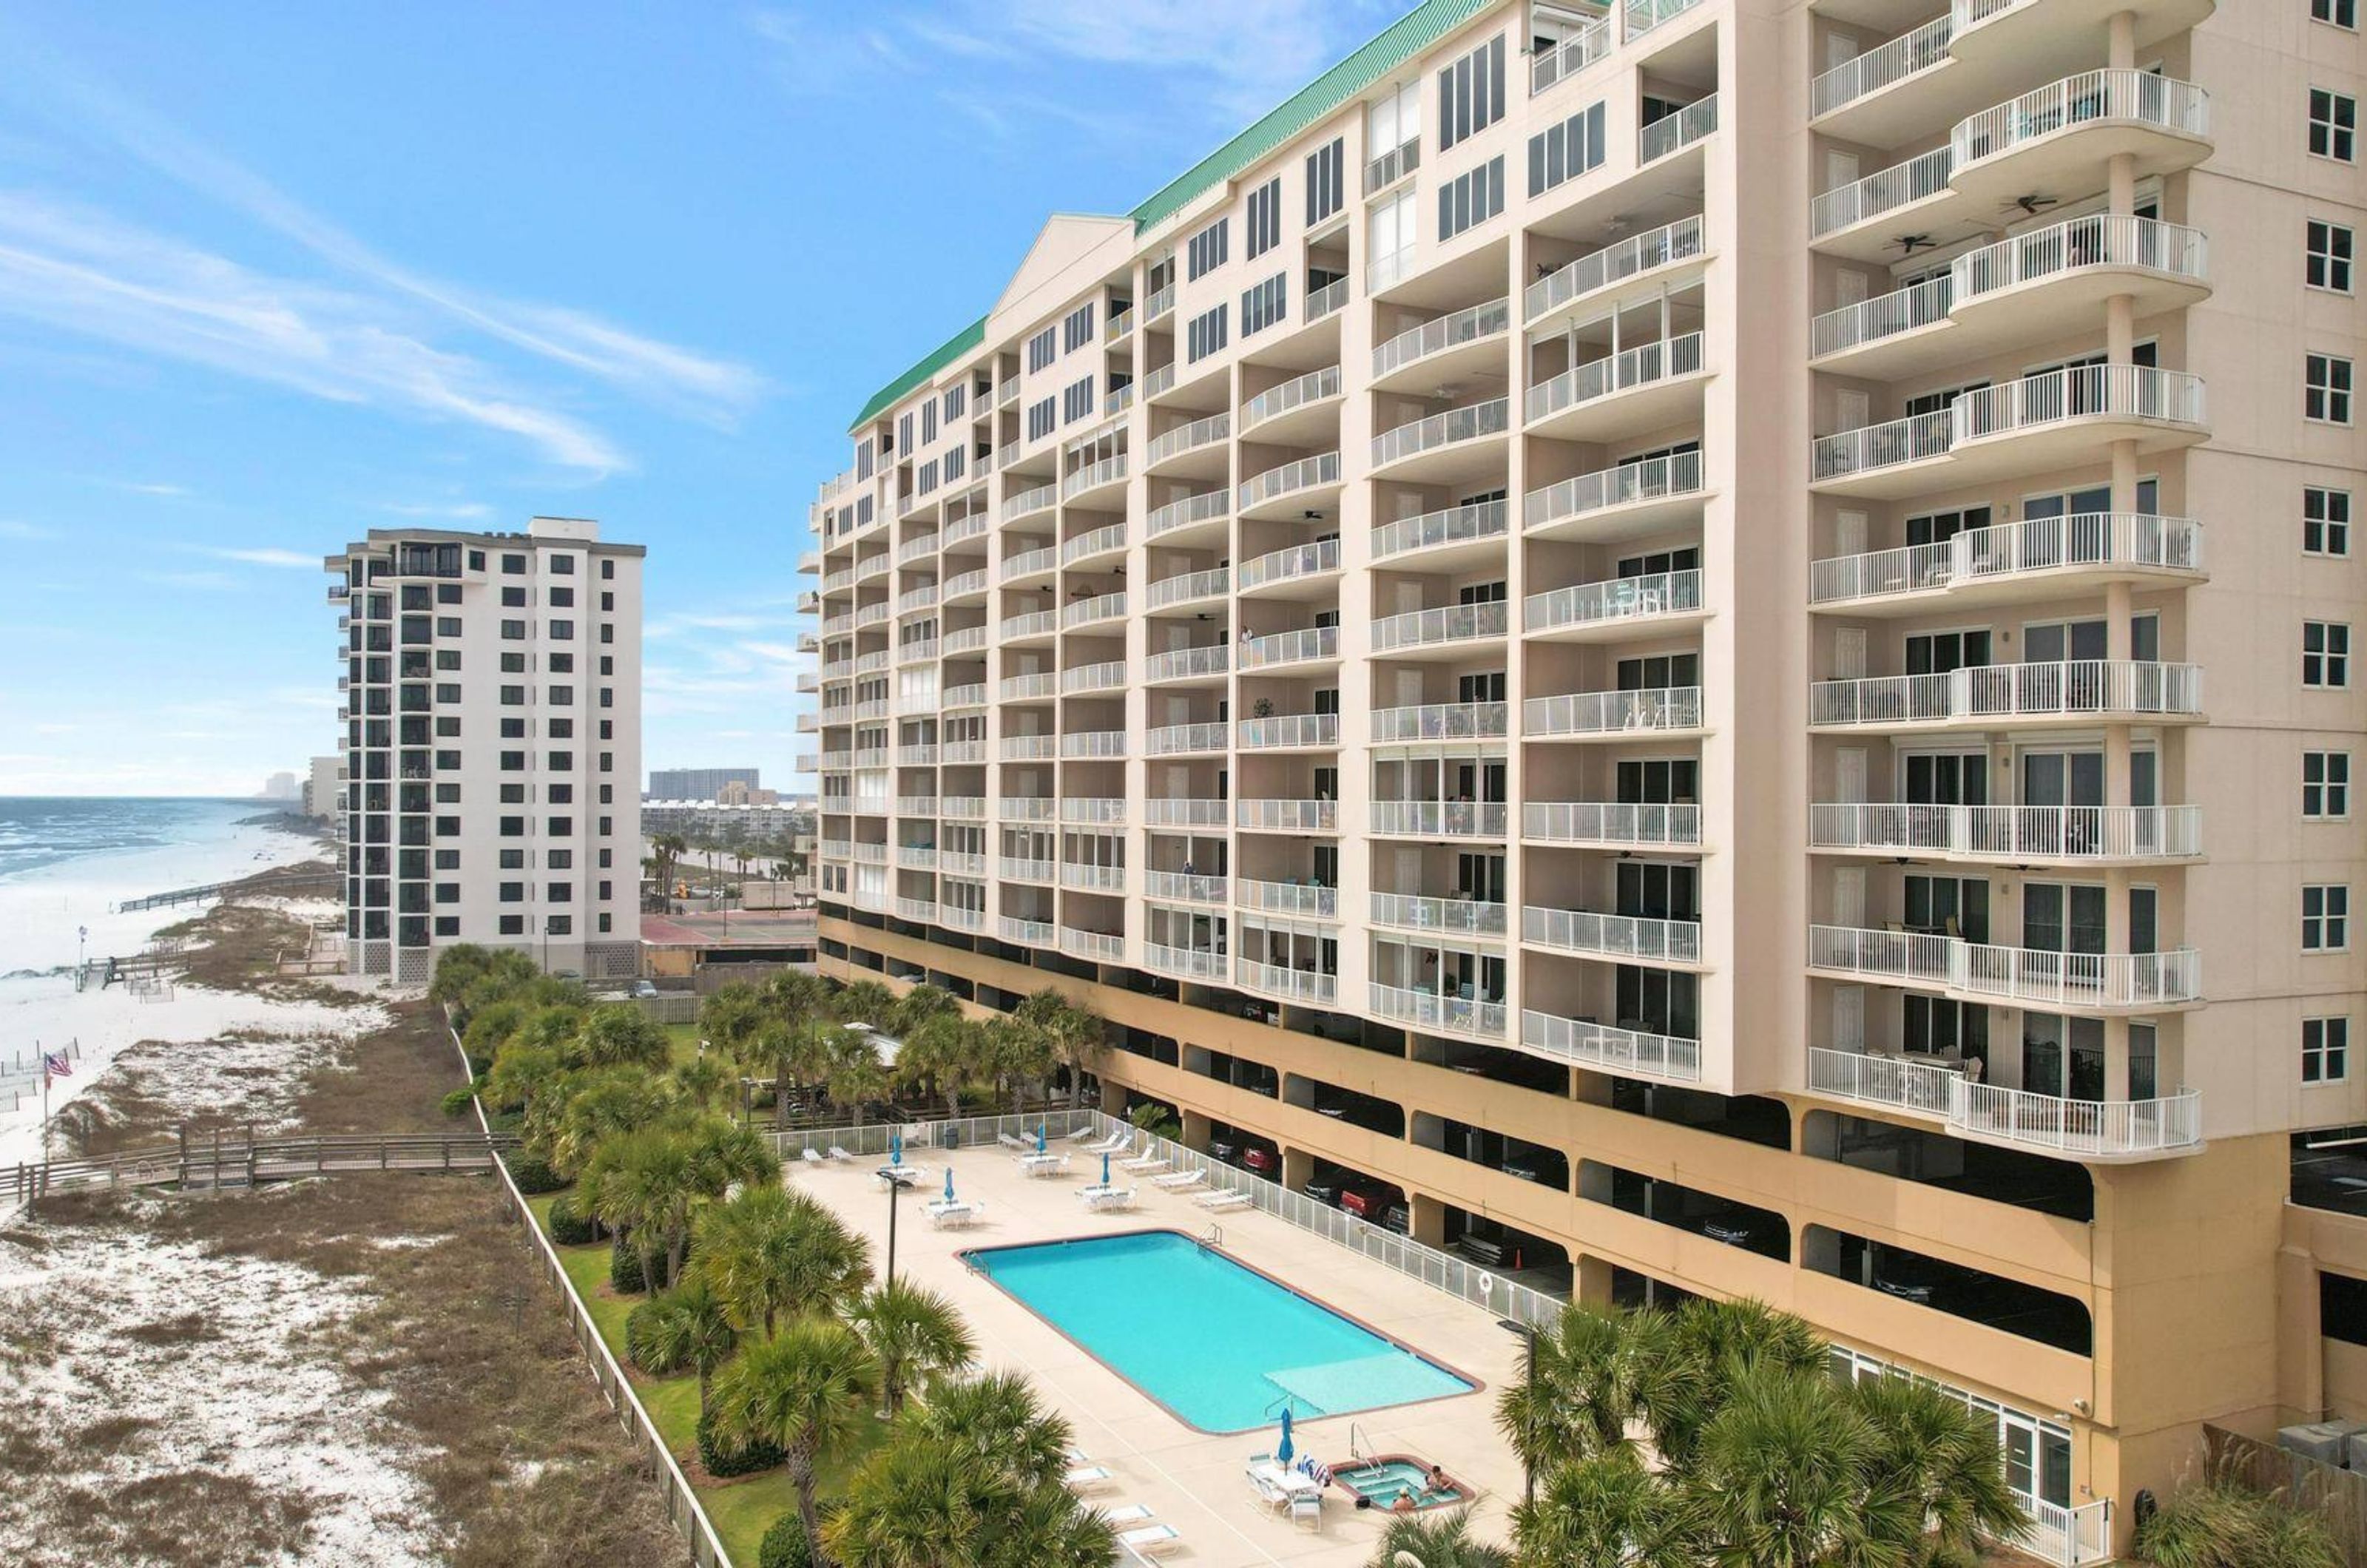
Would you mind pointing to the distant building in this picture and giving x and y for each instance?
(710, 820)
(325, 788)
(697, 783)
(738, 794)
(491, 694)
(280, 786)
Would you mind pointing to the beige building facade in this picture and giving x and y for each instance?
(1711, 639)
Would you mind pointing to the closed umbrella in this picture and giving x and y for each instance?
(1282, 1449)
(1040, 1139)
(949, 1184)
(896, 1148)
(1106, 1170)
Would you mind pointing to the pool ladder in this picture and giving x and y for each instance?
(1356, 1441)
(1216, 1237)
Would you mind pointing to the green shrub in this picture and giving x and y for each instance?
(2223, 1525)
(625, 1269)
(638, 1350)
(785, 1544)
(568, 1228)
(456, 1103)
(723, 1463)
(533, 1176)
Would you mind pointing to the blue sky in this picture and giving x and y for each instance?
(272, 275)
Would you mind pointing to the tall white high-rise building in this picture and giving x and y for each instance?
(491, 691)
(1697, 646)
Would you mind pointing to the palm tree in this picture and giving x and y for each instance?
(1413, 1542)
(669, 849)
(1018, 1053)
(940, 1058)
(996, 1420)
(1077, 1036)
(620, 1034)
(807, 1390)
(1585, 1379)
(772, 1254)
(1716, 1342)
(865, 1002)
(857, 1077)
(730, 1017)
(912, 1331)
(692, 1327)
(646, 1191)
(1606, 1512)
(923, 1003)
(1787, 1475)
(1945, 1458)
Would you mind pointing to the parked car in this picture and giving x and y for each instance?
(1397, 1217)
(1263, 1158)
(1224, 1148)
(643, 988)
(1371, 1200)
(1325, 1188)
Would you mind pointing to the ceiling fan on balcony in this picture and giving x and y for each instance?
(1909, 244)
(2031, 205)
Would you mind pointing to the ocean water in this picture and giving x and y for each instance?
(42, 830)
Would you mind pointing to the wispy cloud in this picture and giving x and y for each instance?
(463, 509)
(296, 560)
(138, 487)
(13, 528)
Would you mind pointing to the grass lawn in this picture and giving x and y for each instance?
(742, 1509)
(684, 1040)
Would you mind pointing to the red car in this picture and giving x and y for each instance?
(1368, 1200)
(1263, 1158)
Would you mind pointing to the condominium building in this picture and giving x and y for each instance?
(698, 783)
(1714, 638)
(490, 688)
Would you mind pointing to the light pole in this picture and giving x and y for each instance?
(895, 1191)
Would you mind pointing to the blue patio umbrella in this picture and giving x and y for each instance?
(949, 1184)
(1040, 1139)
(1282, 1449)
(895, 1149)
(1106, 1170)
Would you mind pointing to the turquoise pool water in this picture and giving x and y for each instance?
(1382, 1479)
(1219, 1344)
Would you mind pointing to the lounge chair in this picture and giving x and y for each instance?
(1127, 1513)
(961, 1214)
(1107, 1200)
(1013, 1140)
(1306, 1509)
(1144, 1164)
(1220, 1201)
(1082, 1134)
(1114, 1143)
(839, 1153)
(1179, 1180)
(809, 1155)
(1151, 1541)
(1089, 1478)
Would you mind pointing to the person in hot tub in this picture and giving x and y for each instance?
(1404, 1504)
(1438, 1482)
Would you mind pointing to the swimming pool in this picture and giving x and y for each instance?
(1380, 1479)
(1220, 1345)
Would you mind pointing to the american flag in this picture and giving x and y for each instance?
(55, 1063)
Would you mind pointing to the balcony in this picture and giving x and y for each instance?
(968, 526)
(1440, 721)
(2017, 976)
(1029, 565)
(1309, 899)
(1572, 55)
(1627, 939)
(1296, 572)
(2033, 424)
(1615, 825)
(1446, 631)
(1291, 732)
(1040, 683)
(1160, 303)
(1641, 389)
(1437, 1014)
(1305, 395)
(1392, 166)
(1208, 508)
(1185, 739)
(1028, 809)
(1030, 503)
(1290, 984)
(1603, 279)
(1109, 540)
(972, 695)
(1630, 1053)
(961, 917)
(913, 600)
(1089, 878)
(2011, 835)
(1674, 132)
(1628, 502)
(1030, 748)
(1287, 815)
(1111, 675)
(1990, 1113)
(1174, 811)
(1280, 489)
(962, 807)
(1311, 645)
(1185, 962)
(917, 857)
(1452, 917)
(2087, 691)
(2035, 288)
(1437, 352)
(1874, 71)
(1019, 868)
(1092, 745)
(965, 640)
(1668, 710)
(1093, 611)
(1457, 445)
(1093, 811)
(1184, 887)
(963, 586)
(1441, 818)
(2004, 562)
(1033, 625)
(1204, 439)
(1452, 536)
(1190, 588)
(1323, 301)
(1606, 612)
(1026, 933)
(1179, 665)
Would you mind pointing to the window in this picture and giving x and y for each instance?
(1327, 181)
(559, 893)
(2329, 256)
(1205, 335)
(448, 925)
(1471, 94)
(514, 566)
(904, 434)
(562, 566)
(558, 925)
(2326, 654)
(955, 463)
(1043, 418)
(1263, 227)
(562, 631)
(2325, 785)
(2326, 388)
(928, 421)
(1471, 198)
(2333, 125)
(514, 696)
(2338, 12)
(512, 631)
(513, 925)
(1564, 152)
(1267, 303)
(562, 597)
(512, 893)
(1390, 237)
(2324, 1050)
(2325, 917)
(476, 560)
(447, 893)
(447, 691)
(513, 664)
(1043, 348)
(1078, 401)
(608, 569)
(448, 659)
(956, 399)
(1206, 251)
(2325, 521)
(448, 625)
(1078, 330)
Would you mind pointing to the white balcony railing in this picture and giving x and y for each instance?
(1090, 878)
(961, 917)
(1175, 739)
(1189, 437)
(1191, 962)
(2015, 834)
(1453, 525)
(1290, 730)
(1880, 192)
(1292, 985)
(965, 640)
(1040, 683)
(1491, 320)
(1291, 647)
(1441, 818)
(1680, 241)
(962, 807)
(1621, 1050)
(2102, 239)
(1093, 476)
(1882, 67)
(1028, 809)
(1321, 302)
(1029, 503)
(1643, 16)
(1097, 542)
(2086, 391)
(2143, 97)
(1094, 744)
(1449, 624)
(1617, 599)
(1652, 478)
(1312, 387)
(1021, 868)
(1091, 612)
(1308, 898)
(1185, 587)
(1623, 372)
(1111, 675)
(1441, 721)
(1872, 446)
(963, 583)
(1287, 815)
(1455, 917)
(1184, 663)
(1190, 509)
(1883, 316)
(2070, 688)
(1572, 55)
(1030, 748)
(1452, 428)
(1604, 713)
(1026, 933)
(1613, 936)
(1031, 563)
(1393, 165)
(1307, 473)
(1183, 887)
(2096, 1128)
(970, 694)
(1183, 811)
(967, 526)
(1611, 822)
(2034, 975)
(961, 862)
(2011, 549)
(1672, 132)
(1093, 811)
(1293, 561)
(1442, 1014)
(1159, 304)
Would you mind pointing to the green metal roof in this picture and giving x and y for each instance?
(1399, 42)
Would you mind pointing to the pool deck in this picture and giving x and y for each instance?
(1190, 1479)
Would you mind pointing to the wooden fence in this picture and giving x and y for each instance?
(2337, 1495)
(235, 1158)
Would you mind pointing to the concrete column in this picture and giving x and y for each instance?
(1195, 1130)
(1590, 1281)
(2116, 1036)
(1429, 1219)
(2121, 41)
(1112, 1100)
(1297, 1168)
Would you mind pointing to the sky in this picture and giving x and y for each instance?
(272, 275)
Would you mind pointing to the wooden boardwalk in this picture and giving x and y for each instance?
(207, 1162)
(329, 881)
